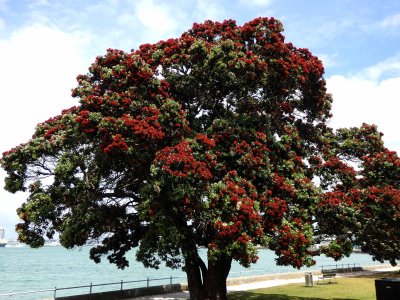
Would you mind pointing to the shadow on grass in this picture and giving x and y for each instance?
(258, 296)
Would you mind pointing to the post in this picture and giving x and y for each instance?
(148, 282)
(122, 282)
(170, 281)
(55, 292)
(309, 279)
(90, 292)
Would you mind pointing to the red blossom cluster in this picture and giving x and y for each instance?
(274, 209)
(204, 139)
(281, 186)
(240, 221)
(179, 161)
(145, 125)
(118, 144)
(292, 245)
(49, 132)
(336, 198)
(83, 118)
(54, 125)
(381, 169)
(386, 198)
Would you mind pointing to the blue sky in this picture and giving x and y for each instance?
(44, 45)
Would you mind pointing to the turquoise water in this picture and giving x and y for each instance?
(26, 269)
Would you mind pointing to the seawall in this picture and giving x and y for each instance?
(126, 294)
(235, 281)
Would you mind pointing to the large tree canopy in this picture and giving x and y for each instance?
(213, 139)
(361, 204)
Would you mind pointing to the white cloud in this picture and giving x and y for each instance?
(390, 21)
(38, 69)
(388, 67)
(208, 10)
(358, 99)
(328, 60)
(157, 18)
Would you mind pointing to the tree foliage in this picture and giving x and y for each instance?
(213, 139)
(362, 204)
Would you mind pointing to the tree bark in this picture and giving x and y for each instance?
(195, 284)
(207, 283)
(215, 283)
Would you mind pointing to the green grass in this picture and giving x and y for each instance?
(355, 288)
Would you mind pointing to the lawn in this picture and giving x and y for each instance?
(360, 288)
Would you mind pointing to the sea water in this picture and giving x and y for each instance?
(25, 269)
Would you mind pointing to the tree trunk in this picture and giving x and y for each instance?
(215, 283)
(195, 283)
(207, 284)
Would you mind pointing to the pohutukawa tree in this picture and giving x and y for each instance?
(362, 202)
(211, 140)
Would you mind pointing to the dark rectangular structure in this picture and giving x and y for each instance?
(387, 289)
(126, 294)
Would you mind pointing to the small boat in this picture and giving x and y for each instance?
(3, 242)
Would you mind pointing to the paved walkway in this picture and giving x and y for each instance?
(172, 296)
(263, 284)
(241, 287)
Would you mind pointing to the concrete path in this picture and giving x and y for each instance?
(171, 296)
(264, 284)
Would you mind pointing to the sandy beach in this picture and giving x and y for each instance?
(270, 280)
